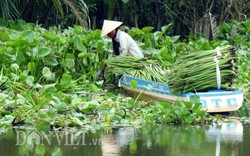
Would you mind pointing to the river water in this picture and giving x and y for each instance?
(221, 139)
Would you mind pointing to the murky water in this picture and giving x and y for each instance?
(224, 139)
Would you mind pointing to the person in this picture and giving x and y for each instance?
(123, 44)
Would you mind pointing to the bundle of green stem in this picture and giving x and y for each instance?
(196, 71)
(136, 67)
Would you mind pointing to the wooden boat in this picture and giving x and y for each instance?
(212, 100)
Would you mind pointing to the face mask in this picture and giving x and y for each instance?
(111, 34)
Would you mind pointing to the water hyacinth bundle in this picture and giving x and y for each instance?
(204, 70)
(139, 68)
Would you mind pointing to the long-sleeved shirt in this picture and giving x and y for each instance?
(128, 46)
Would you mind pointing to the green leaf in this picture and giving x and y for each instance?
(9, 118)
(133, 84)
(59, 86)
(83, 54)
(147, 29)
(136, 31)
(240, 39)
(194, 99)
(243, 52)
(70, 56)
(93, 88)
(164, 104)
(70, 63)
(43, 125)
(174, 39)
(14, 76)
(77, 121)
(51, 61)
(178, 112)
(50, 36)
(79, 45)
(46, 73)
(158, 34)
(188, 105)
(31, 66)
(23, 76)
(42, 41)
(29, 80)
(197, 107)
(165, 28)
(43, 51)
(50, 87)
(61, 106)
(42, 114)
(201, 113)
(52, 112)
(29, 35)
(14, 67)
(3, 98)
(66, 79)
(20, 57)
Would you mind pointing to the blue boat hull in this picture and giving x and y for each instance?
(212, 100)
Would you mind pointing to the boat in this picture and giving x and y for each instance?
(213, 101)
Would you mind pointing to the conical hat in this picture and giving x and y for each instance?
(109, 26)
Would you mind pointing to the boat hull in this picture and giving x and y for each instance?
(213, 100)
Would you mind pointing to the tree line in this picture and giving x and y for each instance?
(186, 16)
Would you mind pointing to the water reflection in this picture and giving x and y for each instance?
(116, 140)
(218, 139)
(230, 132)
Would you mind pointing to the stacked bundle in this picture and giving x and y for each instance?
(204, 70)
(139, 68)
